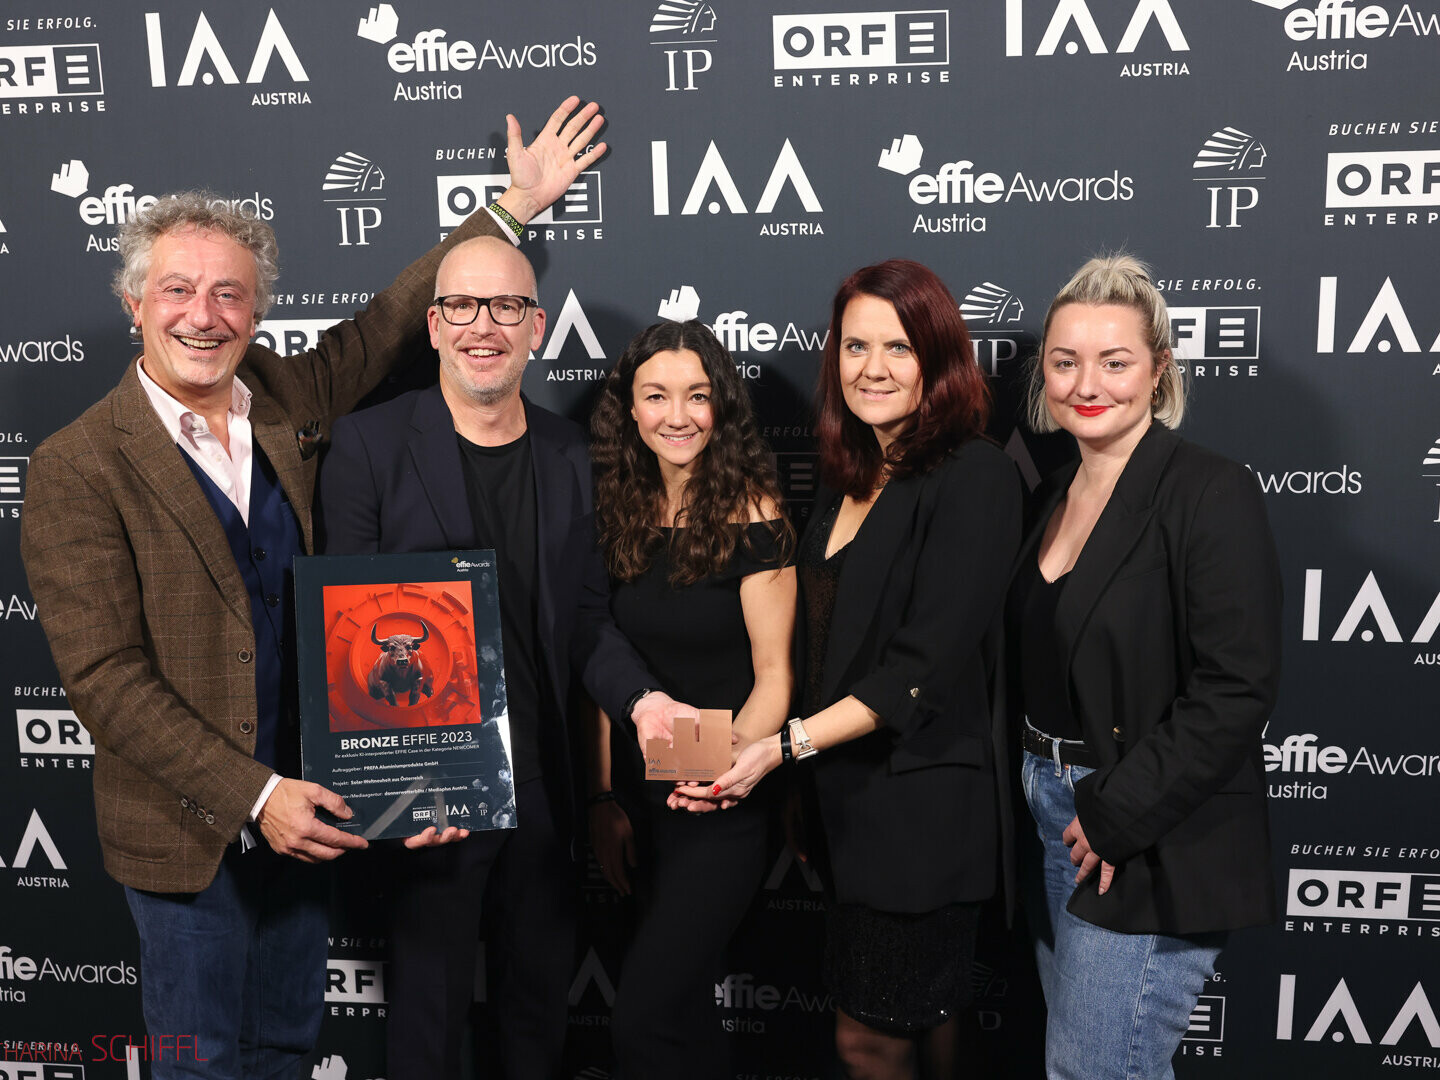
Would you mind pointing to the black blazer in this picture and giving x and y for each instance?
(909, 810)
(393, 481)
(1170, 628)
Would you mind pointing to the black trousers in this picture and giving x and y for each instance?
(697, 876)
(524, 881)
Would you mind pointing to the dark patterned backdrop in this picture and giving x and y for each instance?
(1277, 160)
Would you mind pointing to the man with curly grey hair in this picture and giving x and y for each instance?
(158, 536)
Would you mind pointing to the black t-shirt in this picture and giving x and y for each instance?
(692, 637)
(1043, 679)
(500, 487)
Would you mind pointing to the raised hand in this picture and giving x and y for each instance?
(541, 172)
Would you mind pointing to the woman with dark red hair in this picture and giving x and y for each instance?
(902, 572)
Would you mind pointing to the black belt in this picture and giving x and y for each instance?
(1071, 751)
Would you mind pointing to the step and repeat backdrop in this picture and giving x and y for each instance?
(1277, 161)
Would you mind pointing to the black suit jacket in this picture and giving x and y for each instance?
(1170, 626)
(909, 810)
(393, 481)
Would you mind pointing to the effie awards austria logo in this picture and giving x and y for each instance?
(1336, 35)
(433, 63)
(682, 29)
(978, 193)
(353, 183)
(117, 205)
(1229, 164)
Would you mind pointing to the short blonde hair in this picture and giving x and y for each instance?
(1122, 279)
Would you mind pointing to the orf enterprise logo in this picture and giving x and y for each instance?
(1364, 894)
(290, 336)
(865, 39)
(1227, 335)
(1207, 1027)
(48, 737)
(460, 196)
(64, 72)
(12, 479)
(1389, 183)
(355, 987)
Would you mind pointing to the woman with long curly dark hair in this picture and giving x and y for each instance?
(690, 519)
(902, 571)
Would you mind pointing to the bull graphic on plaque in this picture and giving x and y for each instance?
(402, 690)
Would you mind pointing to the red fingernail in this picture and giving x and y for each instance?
(715, 790)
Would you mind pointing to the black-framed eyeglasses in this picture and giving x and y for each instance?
(460, 310)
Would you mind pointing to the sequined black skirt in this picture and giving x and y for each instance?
(900, 974)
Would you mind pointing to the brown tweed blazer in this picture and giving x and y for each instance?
(145, 610)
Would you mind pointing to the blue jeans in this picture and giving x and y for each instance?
(1118, 1004)
(236, 973)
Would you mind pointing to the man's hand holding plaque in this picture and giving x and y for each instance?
(700, 751)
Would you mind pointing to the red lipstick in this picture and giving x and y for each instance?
(1090, 410)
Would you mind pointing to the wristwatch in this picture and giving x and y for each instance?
(800, 743)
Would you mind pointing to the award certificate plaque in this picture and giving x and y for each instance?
(402, 690)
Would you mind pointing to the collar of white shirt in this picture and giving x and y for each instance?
(178, 419)
(228, 466)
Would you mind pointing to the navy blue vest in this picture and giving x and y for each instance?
(265, 553)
